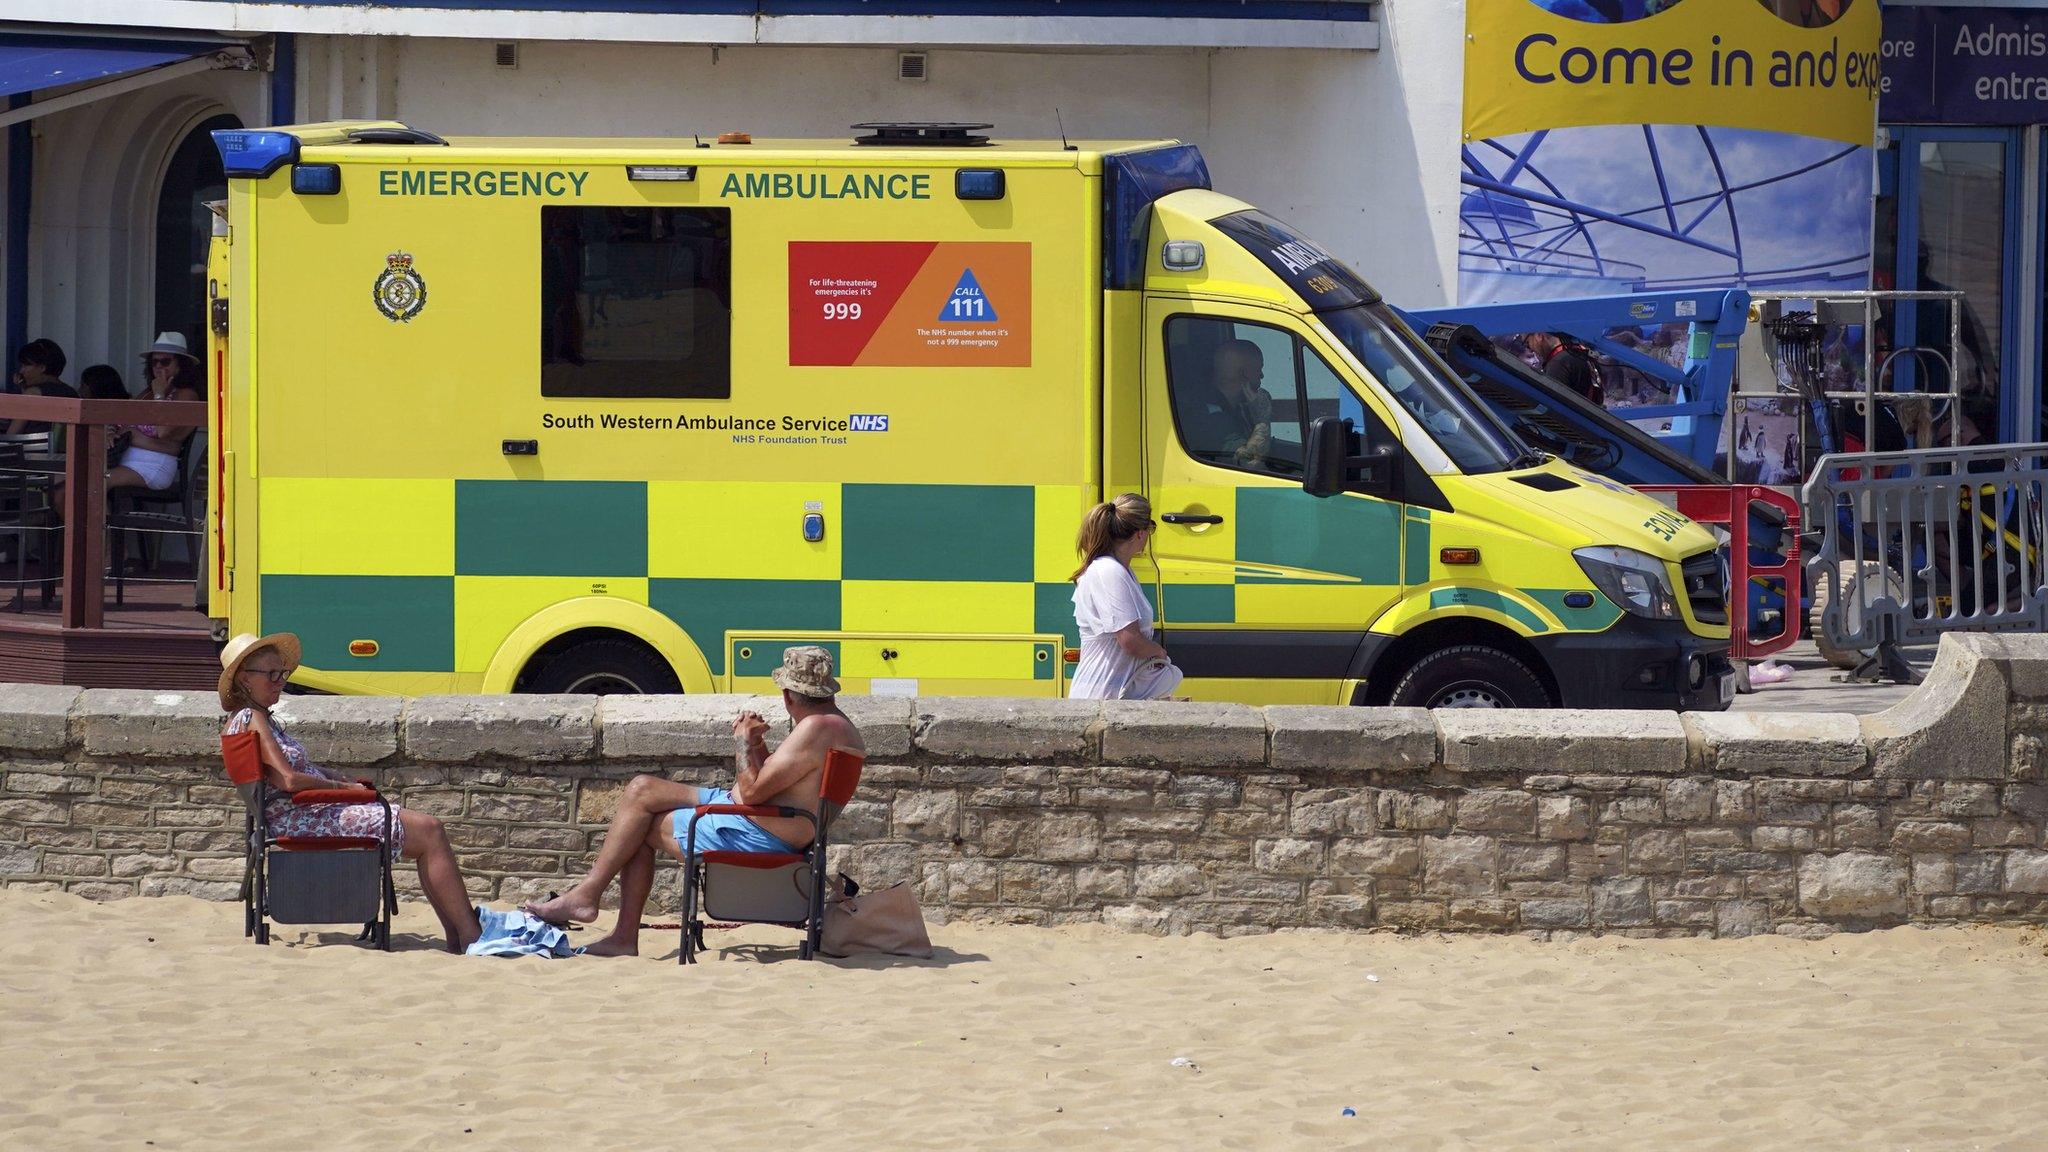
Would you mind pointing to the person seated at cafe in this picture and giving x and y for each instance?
(150, 459)
(102, 382)
(38, 371)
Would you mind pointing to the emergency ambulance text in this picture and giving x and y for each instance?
(490, 182)
(825, 186)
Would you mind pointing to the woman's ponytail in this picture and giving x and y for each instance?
(1108, 524)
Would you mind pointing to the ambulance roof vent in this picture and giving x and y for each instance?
(393, 136)
(929, 135)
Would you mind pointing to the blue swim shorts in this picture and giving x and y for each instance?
(721, 832)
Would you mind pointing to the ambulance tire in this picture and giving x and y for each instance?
(1470, 676)
(606, 668)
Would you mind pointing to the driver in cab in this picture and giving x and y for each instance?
(1237, 418)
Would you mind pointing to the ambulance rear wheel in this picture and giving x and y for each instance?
(605, 668)
(1470, 676)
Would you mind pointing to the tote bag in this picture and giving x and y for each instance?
(875, 920)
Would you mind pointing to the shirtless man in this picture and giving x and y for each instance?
(792, 777)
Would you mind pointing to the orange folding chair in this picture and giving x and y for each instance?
(309, 879)
(786, 888)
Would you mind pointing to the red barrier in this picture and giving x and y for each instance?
(1728, 505)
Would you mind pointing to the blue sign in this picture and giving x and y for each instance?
(968, 304)
(1965, 66)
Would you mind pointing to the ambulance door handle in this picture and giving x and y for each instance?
(1191, 518)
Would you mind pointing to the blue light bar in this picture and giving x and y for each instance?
(316, 179)
(257, 153)
(978, 184)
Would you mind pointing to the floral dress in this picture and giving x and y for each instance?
(288, 819)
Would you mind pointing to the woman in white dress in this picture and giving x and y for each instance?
(1119, 658)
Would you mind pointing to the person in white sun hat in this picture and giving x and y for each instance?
(150, 459)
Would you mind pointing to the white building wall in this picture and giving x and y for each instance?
(1356, 148)
(92, 235)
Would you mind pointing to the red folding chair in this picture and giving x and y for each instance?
(786, 888)
(309, 879)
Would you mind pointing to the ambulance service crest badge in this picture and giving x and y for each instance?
(399, 291)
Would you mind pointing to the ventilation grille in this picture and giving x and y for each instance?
(913, 66)
(507, 54)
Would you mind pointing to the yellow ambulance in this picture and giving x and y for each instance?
(616, 415)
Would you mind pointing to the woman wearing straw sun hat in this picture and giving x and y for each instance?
(151, 458)
(253, 672)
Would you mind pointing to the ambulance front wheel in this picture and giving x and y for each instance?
(605, 667)
(1470, 676)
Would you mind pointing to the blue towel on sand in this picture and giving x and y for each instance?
(514, 933)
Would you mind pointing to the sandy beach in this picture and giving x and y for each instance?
(152, 1023)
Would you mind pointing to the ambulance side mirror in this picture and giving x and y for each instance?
(1331, 468)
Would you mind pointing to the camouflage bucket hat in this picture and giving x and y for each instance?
(807, 671)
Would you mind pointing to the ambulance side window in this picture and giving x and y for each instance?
(1244, 394)
(636, 302)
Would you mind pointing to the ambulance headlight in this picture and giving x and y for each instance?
(1635, 581)
(979, 184)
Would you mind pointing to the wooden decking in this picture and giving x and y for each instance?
(155, 639)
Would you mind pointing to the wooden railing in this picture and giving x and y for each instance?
(86, 424)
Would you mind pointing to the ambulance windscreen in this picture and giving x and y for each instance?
(1322, 280)
(636, 302)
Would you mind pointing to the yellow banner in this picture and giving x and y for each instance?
(1722, 63)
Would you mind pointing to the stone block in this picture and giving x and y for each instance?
(1060, 837)
(1735, 919)
(1776, 743)
(1340, 739)
(1288, 857)
(547, 839)
(55, 836)
(159, 792)
(1734, 801)
(1103, 882)
(1857, 826)
(1685, 913)
(513, 808)
(542, 729)
(339, 730)
(1376, 856)
(19, 862)
(925, 816)
(1182, 734)
(37, 717)
(1934, 875)
(1621, 903)
(1169, 881)
(1483, 740)
(1980, 873)
(1532, 861)
(195, 887)
(1657, 850)
(51, 811)
(101, 889)
(672, 727)
(1852, 884)
(1949, 908)
(48, 784)
(73, 864)
(1194, 791)
(437, 801)
(1497, 810)
(1340, 911)
(1953, 726)
(991, 730)
(1483, 912)
(1037, 885)
(2004, 832)
(973, 882)
(2026, 872)
(1412, 811)
(1556, 914)
(1563, 818)
(215, 868)
(1931, 836)
(95, 814)
(1784, 838)
(120, 723)
(142, 864)
(1330, 812)
(1459, 865)
(1412, 915)
(1689, 801)
(1959, 799)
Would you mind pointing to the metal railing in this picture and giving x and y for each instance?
(1916, 544)
(1835, 309)
(1764, 606)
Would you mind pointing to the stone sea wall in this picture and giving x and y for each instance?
(1157, 817)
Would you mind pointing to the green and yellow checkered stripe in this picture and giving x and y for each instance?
(438, 572)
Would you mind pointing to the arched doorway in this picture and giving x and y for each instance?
(183, 228)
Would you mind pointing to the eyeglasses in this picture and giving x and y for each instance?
(163, 361)
(274, 675)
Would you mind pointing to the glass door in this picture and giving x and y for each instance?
(1948, 219)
